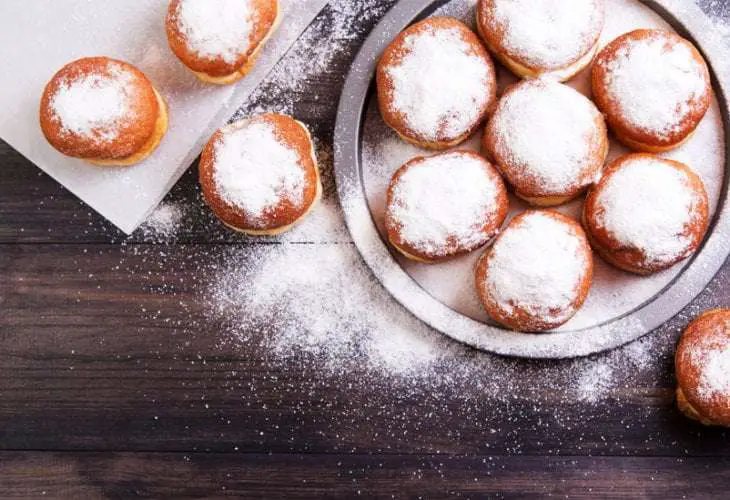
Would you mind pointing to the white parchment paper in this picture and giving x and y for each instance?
(40, 36)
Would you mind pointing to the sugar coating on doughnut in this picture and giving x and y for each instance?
(547, 136)
(443, 201)
(654, 83)
(648, 205)
(714, 378)
(217, 28)
(254, 170)
(95, 105)
(548, 34)
(440, 85)
(538, 265)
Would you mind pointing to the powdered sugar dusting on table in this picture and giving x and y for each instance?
(548, 135)
(94, 105)
(654, 84)
(648, 205)
(546, 33)
(537, 265)
(444, 201)
(440, 86)
(255, 171)
(217, 28)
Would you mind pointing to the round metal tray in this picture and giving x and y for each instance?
(691, 23)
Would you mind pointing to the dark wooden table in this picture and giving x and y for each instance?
(114, 383)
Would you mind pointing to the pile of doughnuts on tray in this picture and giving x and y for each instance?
(259, 175)
(547, 144)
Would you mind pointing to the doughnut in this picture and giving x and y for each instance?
(542, 38)
(220, 40)
(702, 365)
(538, 272)
(444, 205)
(103, 111)
(548, 140)
(654, 88)
(646, 214)
(435, 83)
(260, 175)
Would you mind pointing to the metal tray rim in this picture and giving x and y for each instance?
(695, 276)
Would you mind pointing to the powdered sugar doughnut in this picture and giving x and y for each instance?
(647, 213)
(444, 205)
(538, 272)
(702, 365)
(654, 88)
(549, 141)
(219, 40)
(104, 111)
(435, 83)
(542, 38)
(260, 175)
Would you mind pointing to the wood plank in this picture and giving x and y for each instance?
(164, 475)
(109, 347)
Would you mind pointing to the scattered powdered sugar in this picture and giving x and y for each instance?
(547, 135)
(254, 170)
(163, 223)
(444, 201)
(319, 301)
(548, 34)
(647, 204)
(654, 82)
(346, 323)
(343, 24)
(93, 105)
(714, 372)
(441, 86)
(217, 28)
(537, 265)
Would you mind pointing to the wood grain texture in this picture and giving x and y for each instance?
(117, 382)
(164, 475)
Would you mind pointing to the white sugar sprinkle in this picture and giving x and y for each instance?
(440, 85)
(94, 105)
(653, 84)
(547, 33)
(217, 28)
(715, 373)
(163, 223)
(648, 205)
(254, 170)
(547, 113)
(537, 265)
(442, 200)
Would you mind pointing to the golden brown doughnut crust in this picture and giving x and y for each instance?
(492, 221)
(632, 136)
(521, 319)
(395, 53)
(134, 131)
(710, 330)
(529, 189)
(267, 12)
(633, 259)
(493, 35)
(290, 133)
